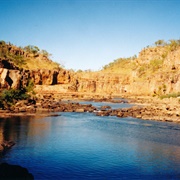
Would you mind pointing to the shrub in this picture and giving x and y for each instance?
(173, 95)
(30, 86)
(173, 44)
(142, 70)
(9, 97)
(160, 43)
(18, 60)
(2, 42)
(155, 64)
(31, 49)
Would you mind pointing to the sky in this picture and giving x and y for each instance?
(88, 34)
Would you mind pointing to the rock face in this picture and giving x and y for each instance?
(114, 84)
(97, 82)
(7, 64)
(156, 72)
(3, 75)
(14, 78)
(11, 78)
(162, 78)
(44, 77)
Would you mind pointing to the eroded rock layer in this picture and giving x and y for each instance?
(154, 72)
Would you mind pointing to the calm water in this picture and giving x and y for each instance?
(85, 146)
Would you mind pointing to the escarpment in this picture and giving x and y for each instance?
(20, 65)
(155, 71)
(11, 78)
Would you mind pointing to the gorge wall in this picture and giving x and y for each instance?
(155, 71)
(93, 82)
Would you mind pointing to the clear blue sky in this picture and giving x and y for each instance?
(88, 34)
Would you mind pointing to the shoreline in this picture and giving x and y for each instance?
(145, 107)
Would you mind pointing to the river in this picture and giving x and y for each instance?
(85, 146)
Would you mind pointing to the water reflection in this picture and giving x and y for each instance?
(23, 128)
(84, 146)
(10, 128)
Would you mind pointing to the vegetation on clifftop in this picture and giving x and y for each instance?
(121, 65)
(155, 71)
(128, 64)
(28, 57)
(157, 66)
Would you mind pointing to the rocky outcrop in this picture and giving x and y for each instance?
(4, 63)
(11, 78)
(158, 113)
(3, 76)
(48, 104)
(156, 72)
(102, 83)
(159, 64)
(151, 53)
(114, 84)
(63, 77)
(8, 171)
(167, 110)
(14, 79)
(44, 77)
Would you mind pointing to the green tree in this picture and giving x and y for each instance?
(45, 53)
(173, 44)
(31, 49)
(2, 42)
(160, 43)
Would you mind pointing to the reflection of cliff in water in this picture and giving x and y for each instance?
(26, 128)
(10, 128)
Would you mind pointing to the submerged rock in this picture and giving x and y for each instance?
(7, 144)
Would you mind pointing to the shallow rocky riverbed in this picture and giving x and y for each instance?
(146, 109)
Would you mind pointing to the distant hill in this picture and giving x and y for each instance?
(28, 57)
(162, 57)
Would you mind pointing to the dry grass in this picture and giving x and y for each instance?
(123, 66)
(39, 63)
(30, 57)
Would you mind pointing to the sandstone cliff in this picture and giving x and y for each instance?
(155, 71)
(12, 78)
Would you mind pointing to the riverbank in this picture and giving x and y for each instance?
(154, 108)
(145, 107)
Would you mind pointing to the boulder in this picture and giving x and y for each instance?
(3, 75)
(14, 79)
(8, 171)
(80, 110)
(103, 108)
